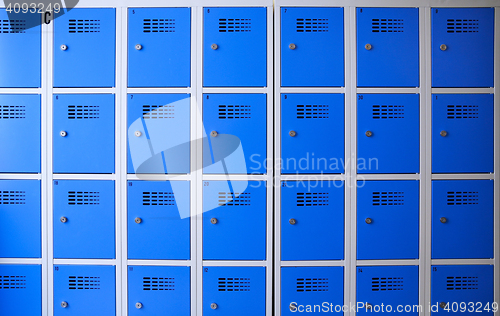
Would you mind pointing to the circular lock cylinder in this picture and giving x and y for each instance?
(368, 46)
(213, 306)
(292, 46)
(64, 219)
(64, 304)
(292, 133)
(138, 220)
(63, 133)
(138, 305)
(138, 133)
(292, 221)
(214, 46)
(214, 133)
(443, 133)
(368, 220)
(64, 47)
(369, 133)
(214, 220)
(443, 47)
(138, 46)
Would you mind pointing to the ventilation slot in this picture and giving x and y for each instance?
(83, 198)
(158, 111)
(462, 283)
(84, 26)
(387, 25)
(12, 282)
(388, 111)
(462, 112)
(463, 198)
(312, 111)
(235, 111)
(312, 285)
(158, 26)
(239, 199)
(235, 25)
(12, 197)
(312, 199)
(312, 25)
(12, 112)
(83, 112)
(462, 26)
(388, 198)
(84, 283)
(158, 198)
(158, 284)
(234, 284)
(387, 284)
(12, 26)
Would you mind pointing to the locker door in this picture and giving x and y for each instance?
(84, 133)
(462, 219)
(235, 47)
(21, 225)
(159, 291)
(235, 122)
(309, 122)
(84, 290)
(452, 285)
(159, 47)
(304, 287)
(462, 133)
(226, 290)
(159, 133)
(387, 47)
(312, 47)
(234, 221)
(312, 211)
(84, 48)
(462, 47)
(21, 290)
(20, 57)
(156, 227)
(20, 118)
(84, 217)
(388, 133)
(387, 219)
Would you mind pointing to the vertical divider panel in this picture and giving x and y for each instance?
(496, 138)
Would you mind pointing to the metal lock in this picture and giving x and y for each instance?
(214, 220)
(138, 46)
(63, 133)
(214, 133)
(292, 46)
(214, 46)
(443, 47)
(369, 133)
(292, 133)
(213, 306)
(138, 305)
(443, 220)
(442, 305)
(293, 307)
(368, 220)
(138, 133)
(64, 304)
(368, 306)
(138, 220)
(292, 221)
(63, 219)
(368, 46)
(64, 47)
(443, 133)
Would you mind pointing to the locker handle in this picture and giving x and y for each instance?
(443, 220)
(138, 305)
(64, 304)
(443, 47)
(368, 220)
(213, 306)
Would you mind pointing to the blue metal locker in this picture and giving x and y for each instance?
(387, 46)
(312, 211)
(462, 219)
(390, 286)
(20, 119)
(159, 133)
(312, 47)
(235, 47)
(455, 285)
(387, 219)
(159, 47)
(84, 290)
(84, 133)
(234, 220)
(462, 47)
(462, 133)
(84, 219)
(21, 54)
(159, 291)
(84, 48)
(158, 220)
(303, 288)
(20, 290)
(234, 123)
(308, 123)
(21, 225)
(229, 291)
(388, 133)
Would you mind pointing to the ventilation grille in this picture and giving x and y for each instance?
(235, 25)
(312, 199)
(313, 111)
(239, 199)
(158, 111)
(83, 198)
(158, 26)
(12, 197)
(462, 26)
(12, 26)
(158, 284)
(84, 26)
(462, 283)
(12, 282)
(312, 285)
(388, 111)
(388, 198)
(84, 283)
(83, 112)
(234, 284)
(462, 111)
(235, 111)
(158, 198)
(387, 284)
(387, 25)
(463, 198)
(12, 112)
(312, 25)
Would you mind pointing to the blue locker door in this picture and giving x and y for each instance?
(453, 285)
(312, 47)
(21, 290)
(21, 54)
(235, 47)
(21, 225)
(84, 219)
(159, 47)
(84, 133)
(389, 287)
(462, 47)
(159, 133)
(387, 47)
(84, 48)
(229, 291)
(235, 125)
(304, 287)
(462, 219)
(387, 219)
(309, 122)
(388, 133)
(159, 291)
(158, 220)
(312, 211)
(462, 133)
(20, 119)
(234, 220)
(84, 290)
